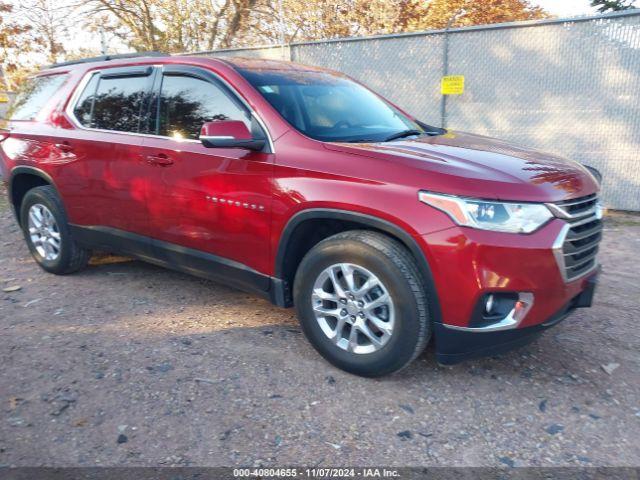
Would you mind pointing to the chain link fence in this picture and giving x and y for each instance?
(569, 86)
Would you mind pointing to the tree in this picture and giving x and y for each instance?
(613, 5)
(318, 19)
(14, 38)
(173, 25)
(438, 14)
(49, 22)
(192, 25)
(32, 33)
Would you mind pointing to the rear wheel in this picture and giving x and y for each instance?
(46, 230)
(362, 304)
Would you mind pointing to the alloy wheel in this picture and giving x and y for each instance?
(44, 232)
(353, 308)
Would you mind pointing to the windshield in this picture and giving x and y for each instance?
(330, 107)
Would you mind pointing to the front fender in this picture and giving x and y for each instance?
(374, 222)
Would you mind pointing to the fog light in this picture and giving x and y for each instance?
(488, 306)
(500, 309)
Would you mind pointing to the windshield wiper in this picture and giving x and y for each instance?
(402, 134)
(431, 130)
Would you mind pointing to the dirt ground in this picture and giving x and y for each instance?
(129, 364)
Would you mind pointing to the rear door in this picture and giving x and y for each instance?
(106, 184)
(211, 200)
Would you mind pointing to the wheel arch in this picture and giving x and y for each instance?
(21, 180)
(292, 246)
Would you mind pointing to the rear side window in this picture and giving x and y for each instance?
(33, 96)
(187, 102)
(113, 102)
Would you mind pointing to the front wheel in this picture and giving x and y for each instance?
(362, 304)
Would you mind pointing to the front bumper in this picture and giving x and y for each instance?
(454, 346)
(468, 265)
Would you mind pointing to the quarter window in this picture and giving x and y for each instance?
(33, 96)
(186, 103)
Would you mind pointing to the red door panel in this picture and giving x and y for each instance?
(209, 199)
(106, 184)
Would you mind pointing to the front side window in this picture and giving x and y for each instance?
(33, 96)
(113, 103)
(187, 102)
(329, 107)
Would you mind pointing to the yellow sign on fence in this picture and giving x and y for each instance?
(452, 85)
(4, 98)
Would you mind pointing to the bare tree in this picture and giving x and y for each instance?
(50, 22)
(174, 25)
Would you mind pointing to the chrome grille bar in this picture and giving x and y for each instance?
(576, 248)
(576, 208)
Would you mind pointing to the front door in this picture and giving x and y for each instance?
(205, 203)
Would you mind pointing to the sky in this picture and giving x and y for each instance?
(566, 8)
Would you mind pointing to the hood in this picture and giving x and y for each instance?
(472, 165)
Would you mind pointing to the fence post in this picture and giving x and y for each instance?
(445, 66)
(445, 71)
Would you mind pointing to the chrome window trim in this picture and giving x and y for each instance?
(73, 101)
(218, 137)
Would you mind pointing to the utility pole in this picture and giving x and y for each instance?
(445, 66)
(282, 28)
(103, 42)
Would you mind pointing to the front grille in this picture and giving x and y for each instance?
(579, 206)
(578, 244)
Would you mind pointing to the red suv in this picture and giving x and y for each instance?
(302, 185)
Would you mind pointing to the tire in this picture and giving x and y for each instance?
(70, 256)
(370, 257)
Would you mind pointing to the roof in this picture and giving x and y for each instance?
(104, 58)
(237, 63)
(247, 63)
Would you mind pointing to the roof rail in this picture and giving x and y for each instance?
(104, 58)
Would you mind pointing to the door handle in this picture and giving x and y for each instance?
(160, 159)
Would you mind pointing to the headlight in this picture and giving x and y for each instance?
(488, 215)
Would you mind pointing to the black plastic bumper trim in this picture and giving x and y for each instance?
(455, 346)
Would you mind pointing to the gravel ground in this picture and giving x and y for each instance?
(129, 364)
